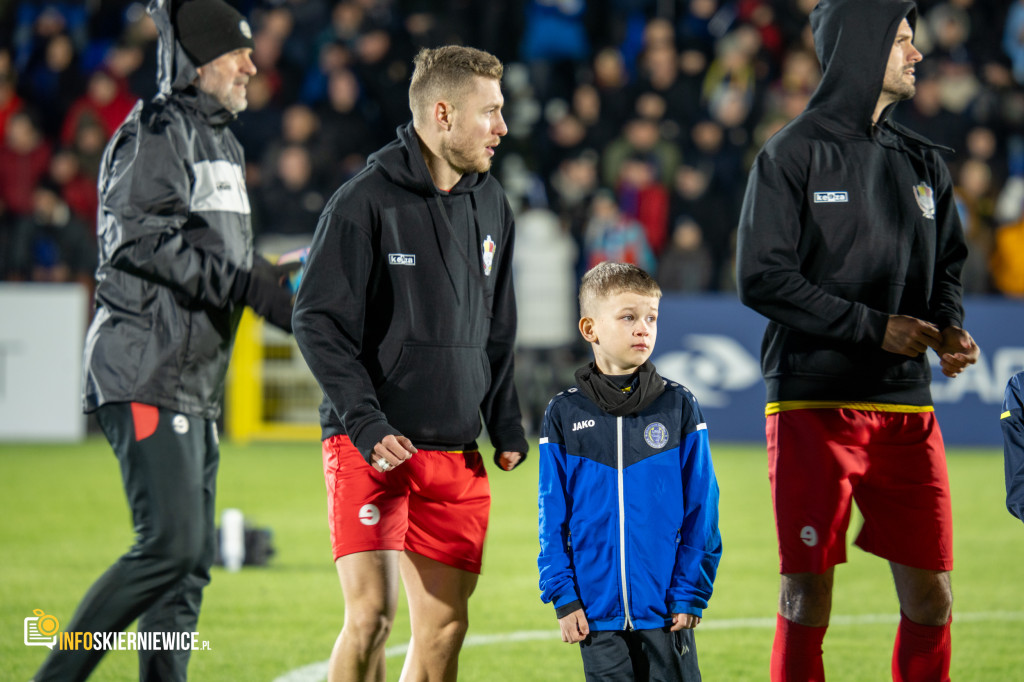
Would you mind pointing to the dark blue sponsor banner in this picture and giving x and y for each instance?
(711, 344)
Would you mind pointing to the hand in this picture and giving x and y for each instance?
(684, 621)
(265, 290)
(958, 350)
(509, 460)
(905, 335)
(574, 627)
(391, 452)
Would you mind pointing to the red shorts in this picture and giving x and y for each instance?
(435, 504)
(892, 463)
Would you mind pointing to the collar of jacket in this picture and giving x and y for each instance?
(609, 396)
(205, 106)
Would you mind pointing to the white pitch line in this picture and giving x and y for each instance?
(317, 672)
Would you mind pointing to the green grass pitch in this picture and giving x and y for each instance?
(64, 520)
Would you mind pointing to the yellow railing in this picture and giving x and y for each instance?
(270, 394)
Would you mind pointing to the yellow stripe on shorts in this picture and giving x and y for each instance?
(787, 405)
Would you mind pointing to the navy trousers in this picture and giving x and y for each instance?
(640, 656)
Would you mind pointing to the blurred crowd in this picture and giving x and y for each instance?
(631, 122)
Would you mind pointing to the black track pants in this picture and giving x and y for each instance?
(169, 470)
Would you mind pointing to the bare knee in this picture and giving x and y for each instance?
(806, 598)
(926, 597)
(366, 629)
(453, 631)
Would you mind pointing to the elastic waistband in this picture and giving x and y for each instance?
(787, 405)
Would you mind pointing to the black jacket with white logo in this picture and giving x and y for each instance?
(174, 230)
(845, 223)
(406, 314)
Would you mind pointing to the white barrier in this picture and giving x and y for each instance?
(41, 331)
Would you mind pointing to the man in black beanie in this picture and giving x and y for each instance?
(176, 268)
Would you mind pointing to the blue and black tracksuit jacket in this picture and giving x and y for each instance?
(1012, 423)
(628, 511)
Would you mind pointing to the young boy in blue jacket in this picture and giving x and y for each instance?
(629, 541)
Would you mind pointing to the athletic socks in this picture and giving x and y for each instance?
(922, 652)
(796, 653)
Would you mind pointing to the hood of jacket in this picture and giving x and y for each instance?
(176, 72)
(853, 40)
(403, 163)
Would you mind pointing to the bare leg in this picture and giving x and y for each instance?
(926, 597)
(805, 602)
(369, 582)
(806, 598)
(923, 647)
(439, 614)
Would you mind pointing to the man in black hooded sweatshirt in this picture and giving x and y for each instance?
(406, 317)
(850, 244)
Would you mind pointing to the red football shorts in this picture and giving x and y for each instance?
(436, 504)
(892, 463)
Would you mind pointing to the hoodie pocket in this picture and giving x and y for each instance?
(433, 393)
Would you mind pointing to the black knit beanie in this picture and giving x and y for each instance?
(209, 28)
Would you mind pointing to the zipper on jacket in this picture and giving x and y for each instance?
(628, 625)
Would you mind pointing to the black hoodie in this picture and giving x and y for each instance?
(845, 223)
(406, 314)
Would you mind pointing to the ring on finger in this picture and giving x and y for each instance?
(383, 464)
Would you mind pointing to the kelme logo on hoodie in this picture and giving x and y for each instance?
(831, 197)
(402, 258)
(925, 200)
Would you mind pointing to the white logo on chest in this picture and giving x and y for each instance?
(402, 258)
(831, 197)
(585, 424)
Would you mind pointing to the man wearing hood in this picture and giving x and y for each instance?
(407, 319)
(176, 269)
(850, 244)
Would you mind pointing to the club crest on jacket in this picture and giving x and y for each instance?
(656, 435)
(925, 200)
(488, 254)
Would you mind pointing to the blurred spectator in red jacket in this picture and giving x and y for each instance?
(24, 160)
(106, 101)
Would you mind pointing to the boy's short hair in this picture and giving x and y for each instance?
(446, 73)
(607, 279)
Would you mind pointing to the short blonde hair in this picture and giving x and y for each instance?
(445, 73)
(607, 279)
